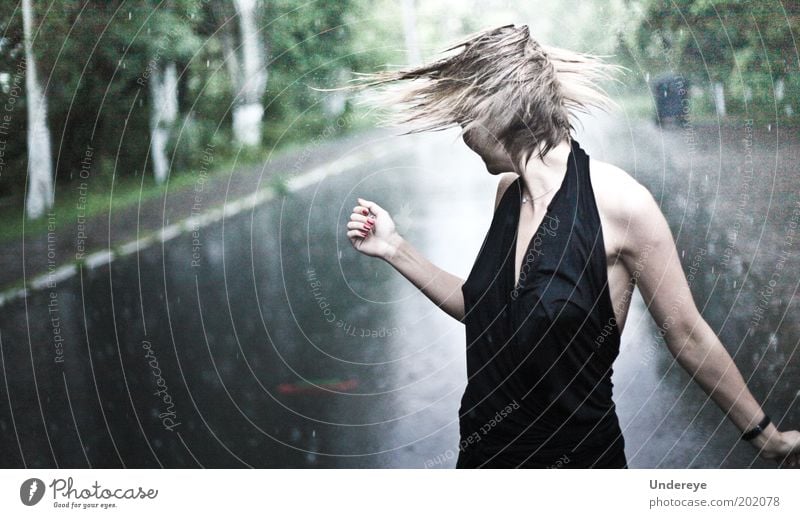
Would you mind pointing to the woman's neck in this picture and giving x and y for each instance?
(541, 178)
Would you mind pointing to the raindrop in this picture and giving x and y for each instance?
(683, 253)
(313, 433)
(773, 341)
(129, 15)
(208, 62)
(734, 284)
(769, 127)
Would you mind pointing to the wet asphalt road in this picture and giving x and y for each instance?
(265, 340)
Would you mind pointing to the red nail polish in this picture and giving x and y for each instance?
(364, 211)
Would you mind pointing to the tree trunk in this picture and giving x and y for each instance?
(163, 112)
(40, 162)
(719, 98)
(252, 81)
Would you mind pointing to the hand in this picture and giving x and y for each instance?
(782, 447)
(372, 231)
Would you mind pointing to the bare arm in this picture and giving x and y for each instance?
(651, 257)
(441, 287)
(382, 240)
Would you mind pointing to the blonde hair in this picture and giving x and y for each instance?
(503, 80)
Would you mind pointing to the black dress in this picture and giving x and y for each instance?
(540, 348)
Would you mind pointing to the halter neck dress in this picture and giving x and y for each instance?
(540, 346)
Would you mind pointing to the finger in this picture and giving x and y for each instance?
(356, 234)
(358, 217)
(369, 223)
(358, 225)
(372, 206)
(361, 209)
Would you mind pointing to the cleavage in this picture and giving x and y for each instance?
(530, 245)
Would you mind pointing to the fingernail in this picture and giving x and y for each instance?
(364, 211)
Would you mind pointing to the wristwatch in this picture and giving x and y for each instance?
(749, 435)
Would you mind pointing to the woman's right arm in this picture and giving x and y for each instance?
(372, 232)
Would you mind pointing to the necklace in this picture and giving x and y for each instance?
(525, 198)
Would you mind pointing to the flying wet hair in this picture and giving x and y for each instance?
(524, 93)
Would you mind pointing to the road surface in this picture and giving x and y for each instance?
(265, 340)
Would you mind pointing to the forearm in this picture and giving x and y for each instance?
(441, 287)
(703, 356)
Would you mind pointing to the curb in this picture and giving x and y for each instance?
(218, 213)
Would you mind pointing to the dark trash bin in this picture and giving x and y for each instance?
(671, 93)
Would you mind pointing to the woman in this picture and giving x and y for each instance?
(548, 295)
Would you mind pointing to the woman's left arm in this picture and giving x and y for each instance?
(650, 256)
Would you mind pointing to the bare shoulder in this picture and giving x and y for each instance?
(506, 179)
(618, 194)
(626, 207)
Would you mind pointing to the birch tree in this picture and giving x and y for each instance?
(164, 111)
(251, 80)
(40, 164)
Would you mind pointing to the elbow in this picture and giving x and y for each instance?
(677, 336)
(691, 345)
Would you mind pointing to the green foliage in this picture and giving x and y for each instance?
(748, 46)
(95, 61)
(313, 47)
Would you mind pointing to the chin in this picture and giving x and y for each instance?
(492, 169)
(495, 170)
